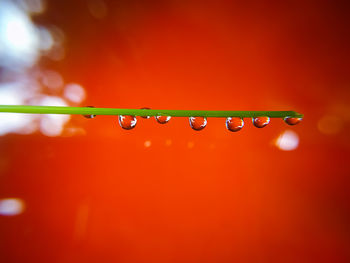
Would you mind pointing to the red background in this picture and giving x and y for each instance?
(209, 196)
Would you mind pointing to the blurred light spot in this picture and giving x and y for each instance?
(11, 206)
(52, 124)
(97, 8)
(287, 141)
(74, 92)
(19, 40)
(21, 45)
(190, 145)
(19, 123)
(13, 122)
(70, 131)
(168, 142)
(57, 51)
(46, 40)
(57, 34)
(52, 79)
(330, 124)
(147, 144)
(52, 101)
(33, 6)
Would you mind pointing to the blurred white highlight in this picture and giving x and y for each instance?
(74, 92)
(52, 124)
(11, 95)
(22, 43)
(287, 141)
(33, 6)
(52, 79)
(11, 206)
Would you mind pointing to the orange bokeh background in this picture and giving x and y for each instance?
(166, 193)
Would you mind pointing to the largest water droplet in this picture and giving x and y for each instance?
(198, 123)
(127, 122)
(261, 122)
(292, 121)
(234, 124)
(163, 119)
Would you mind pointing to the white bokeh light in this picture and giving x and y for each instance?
(74, 92)
(33, 6)
(52, 124)
(52, 79)
(19, 40)
(287, 140)
(11, 206)
(22, 44)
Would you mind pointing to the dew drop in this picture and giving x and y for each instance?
(162, 119)
(89, 116)
(261, 122)
(127, 122)
(145, 117)
(198, 123)
(292, 121)
(234, 124)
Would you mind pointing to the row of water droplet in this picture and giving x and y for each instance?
(233, 124)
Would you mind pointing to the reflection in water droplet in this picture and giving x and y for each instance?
(261, 122)
(292, 121)
(89, 116)
(162, 119)
(127, 122)
(234, 124)
(145, 117)
(198, 123)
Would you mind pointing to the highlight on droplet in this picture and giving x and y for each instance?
(127, 122)
(261, 122)
(11, 206)
(145, 117)
(90, 116)
(234, 124)
(292, 121)
(163, 119)
(198, 123)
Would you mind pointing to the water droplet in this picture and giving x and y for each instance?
(234, 124)
(127, 122)
(163, 119)
(145, 117)
(292, 121)
(261, 122)
(198, 123)
(89, 116)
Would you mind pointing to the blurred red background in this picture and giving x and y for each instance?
(166, 193)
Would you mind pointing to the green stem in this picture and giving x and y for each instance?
(144, 112)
